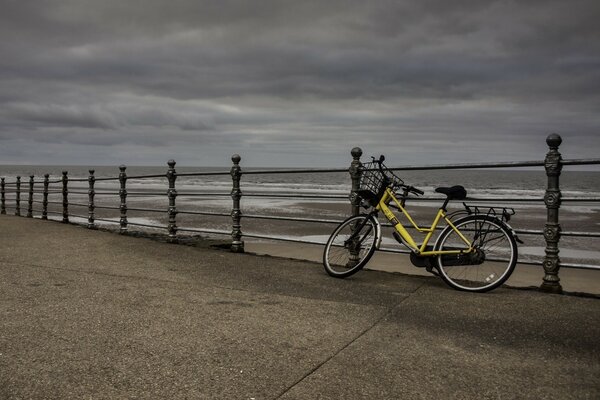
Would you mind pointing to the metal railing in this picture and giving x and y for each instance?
(65, 186)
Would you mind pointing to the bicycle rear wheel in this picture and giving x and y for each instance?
(350, 246)
(492, 262)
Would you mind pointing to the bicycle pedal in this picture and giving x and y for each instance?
(432, 270)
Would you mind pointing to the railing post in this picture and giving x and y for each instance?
(172, 194)
(2, 197)
(30, 199)
(553, 166)
(18, 198)
(237, 245)
(123, 196)
(45, 198)
(91, 194)
(355, 173)
(65, 194)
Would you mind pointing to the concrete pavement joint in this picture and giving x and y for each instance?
(389, 312)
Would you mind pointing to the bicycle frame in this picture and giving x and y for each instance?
(421, 250)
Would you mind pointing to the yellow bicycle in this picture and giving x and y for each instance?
(476, 250)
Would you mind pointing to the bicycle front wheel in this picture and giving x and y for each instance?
(350, 246)
(489, 265)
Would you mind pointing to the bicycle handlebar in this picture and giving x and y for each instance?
(407, 188)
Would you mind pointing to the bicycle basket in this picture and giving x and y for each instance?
(374, 180)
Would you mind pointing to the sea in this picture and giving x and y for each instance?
(322, 196)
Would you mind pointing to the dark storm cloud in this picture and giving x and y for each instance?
(288, 76)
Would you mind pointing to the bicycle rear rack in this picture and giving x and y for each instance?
(503, 213)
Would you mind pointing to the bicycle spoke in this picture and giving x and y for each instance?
(350, 246)
(486, 268)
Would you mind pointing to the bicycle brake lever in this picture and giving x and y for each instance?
(414, 190)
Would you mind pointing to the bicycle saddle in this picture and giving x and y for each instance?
(454, 193)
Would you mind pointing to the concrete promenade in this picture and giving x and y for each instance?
(95, 315)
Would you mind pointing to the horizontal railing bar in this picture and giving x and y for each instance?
(106, 193)
(146, 193)
(580, 266)
(580, 199)
(298, 196)
(54, 212)
(147, 209)
(280, 238)
(106, 179)
(78, 216)
(205, 213)
(298, 219)
(563, 233)
(510, 164)
(204, 173)
(107, 207)
(78, 205)
(296, 171)
(581, 234)
(204, 231)
(412, 199)
(147, 225)
(583, 161)
(147, 176)
(107, 220)
(179, 194)
(479, 199)
(319, 196)
(54, 202)
(528, 232)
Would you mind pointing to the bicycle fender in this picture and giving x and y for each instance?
(511, 230)
(377, 233)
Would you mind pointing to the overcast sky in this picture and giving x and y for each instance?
(296, 83)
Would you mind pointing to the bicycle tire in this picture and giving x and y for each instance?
(343, 257)
(492, 263)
